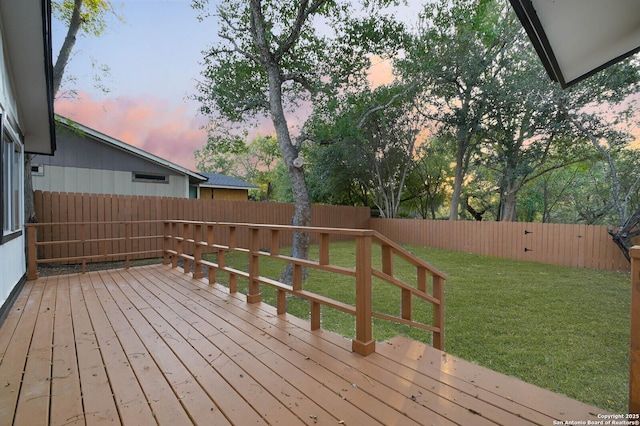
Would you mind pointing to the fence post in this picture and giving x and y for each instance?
(363, 344)
(634, 362)
(32, 250)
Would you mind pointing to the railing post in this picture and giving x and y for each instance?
(197, 251)
(363, 344)
(253, 295)
(177, 232)
(84, 247)
(438, 312)
(32, 252)
(128, 245)
(166, 243)
(186, 234)
(634, 364)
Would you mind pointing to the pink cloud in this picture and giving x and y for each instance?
(148, 123)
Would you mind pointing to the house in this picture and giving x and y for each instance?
(222, 187)
(26, 117)
(88, 161)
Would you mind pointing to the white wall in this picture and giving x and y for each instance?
(12, 257)
(91, 181)
(12, 266)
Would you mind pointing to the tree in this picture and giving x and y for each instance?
(428, 182)
(624, 186)
(453, 58)
(272, 59)
(372, 137)
(253, 162)
(82, 17)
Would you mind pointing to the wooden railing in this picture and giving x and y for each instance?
(188, 241)
(83, 242)
(634, 366)
(201, 235)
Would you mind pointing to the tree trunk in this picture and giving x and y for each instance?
(301, 200)
(457, 183)
(67, 46)
(508, 203)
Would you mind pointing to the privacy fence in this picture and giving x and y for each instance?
(581, 246)
(570, 245)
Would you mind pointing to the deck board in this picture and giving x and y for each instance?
(151, 345)
(66, 397)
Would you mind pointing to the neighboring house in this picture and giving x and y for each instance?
(222, 187)
(88, 161)
(27, 121)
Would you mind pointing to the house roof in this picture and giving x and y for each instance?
(26, 29)
(108, 140)
(217, 180)
(577, 38)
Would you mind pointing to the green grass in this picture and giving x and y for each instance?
(564, 329)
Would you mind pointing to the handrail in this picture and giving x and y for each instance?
(634, 359)
(175, 240)
(87, 247)
(200, 236)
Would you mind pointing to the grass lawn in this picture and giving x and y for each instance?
(564, 329)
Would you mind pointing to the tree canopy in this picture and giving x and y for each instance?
(469, 126)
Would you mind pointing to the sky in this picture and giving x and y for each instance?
(154, 62)
(153, 59)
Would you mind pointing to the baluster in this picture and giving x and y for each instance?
(324, 249)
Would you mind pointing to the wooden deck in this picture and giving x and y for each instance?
(150, 345)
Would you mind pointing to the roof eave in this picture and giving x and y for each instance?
(539, 37)
(29, 55)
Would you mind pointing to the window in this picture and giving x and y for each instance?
(150, 177)
(12, 184)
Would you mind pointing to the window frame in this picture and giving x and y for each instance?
(11, 170)
(147, 177)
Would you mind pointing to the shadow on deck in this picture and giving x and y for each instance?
(151, 345)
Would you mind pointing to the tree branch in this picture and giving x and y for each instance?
(301, 18)
(298, 78)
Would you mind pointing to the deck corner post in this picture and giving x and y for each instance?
(165, 243)
(363, 342)
(197, 252)
(634, 358)
(253, 294)
(32, 253)
(438, 312)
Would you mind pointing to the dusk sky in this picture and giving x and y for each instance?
(154, 61)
